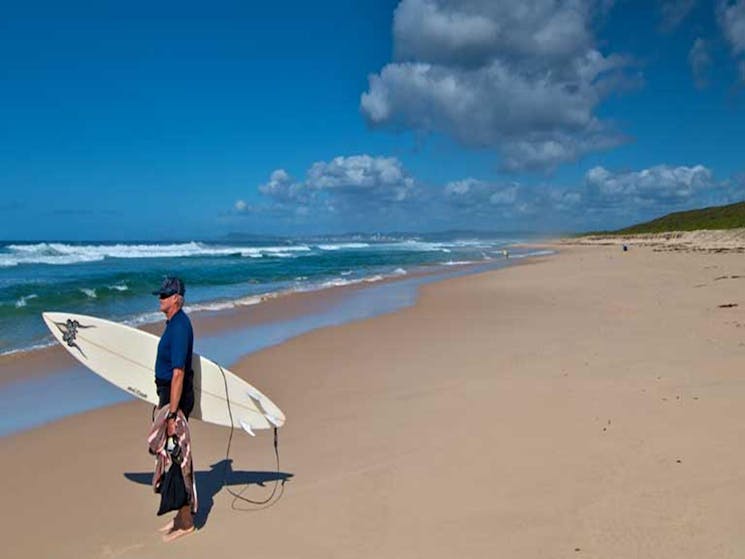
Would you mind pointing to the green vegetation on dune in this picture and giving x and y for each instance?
(716, 217)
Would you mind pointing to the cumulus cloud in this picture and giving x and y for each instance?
(473, 32)
(480, 202)
(365, 192)
(522, 81)
(605, 198)
(282, 188)
(700, 62)
(626, 197)
(382, 178)
(286, 197)
(731, 17)
(662, 185)
(474, 193)
(358, 185)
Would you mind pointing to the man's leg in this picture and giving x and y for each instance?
(183, 525)
(184, 519)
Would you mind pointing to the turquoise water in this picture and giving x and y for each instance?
(114, 280)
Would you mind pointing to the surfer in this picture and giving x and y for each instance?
(174, 378)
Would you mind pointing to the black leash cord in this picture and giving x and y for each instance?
(269, 501)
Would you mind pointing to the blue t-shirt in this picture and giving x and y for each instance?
(175, 348)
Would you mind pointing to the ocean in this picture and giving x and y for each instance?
(114, 280)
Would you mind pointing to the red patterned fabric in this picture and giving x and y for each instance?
(157, 440)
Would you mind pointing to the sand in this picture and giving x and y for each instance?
(588, 404)
(714, 240)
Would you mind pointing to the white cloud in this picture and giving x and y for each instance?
(537, 149)
(472, 192)
(523, 81)
(282, 188)
(383, 178)
(439, 35)
(606, 198)
(365, 192)
(475, 31)
(513, 204)
(614, 198)
(241, 207)
(662, 185)
(564, 201)
(351, 187)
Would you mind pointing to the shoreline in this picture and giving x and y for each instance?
(221, 335)
(221, 308)
(116, 284)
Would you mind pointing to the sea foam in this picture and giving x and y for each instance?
(23, 301)
(66, 254)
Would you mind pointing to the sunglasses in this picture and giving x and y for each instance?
(164, 296)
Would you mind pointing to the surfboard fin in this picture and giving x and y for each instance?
(254, 394)
(247, 428)
(273, 420)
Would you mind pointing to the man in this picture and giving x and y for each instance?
(174, 377)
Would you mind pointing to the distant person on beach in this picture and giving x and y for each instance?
(174, 379)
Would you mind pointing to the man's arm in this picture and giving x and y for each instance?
(177, 387)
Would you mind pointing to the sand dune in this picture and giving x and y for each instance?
(729, 240)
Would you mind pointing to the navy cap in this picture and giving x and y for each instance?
(170, 286)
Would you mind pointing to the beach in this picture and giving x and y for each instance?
(587, 403)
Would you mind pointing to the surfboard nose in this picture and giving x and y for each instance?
(48, 319)
(51, 316)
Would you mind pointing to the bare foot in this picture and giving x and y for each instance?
(177, 533)
(166, 528)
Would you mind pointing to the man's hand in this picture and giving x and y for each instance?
(171, 427)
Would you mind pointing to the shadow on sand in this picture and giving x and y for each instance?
(209, 483)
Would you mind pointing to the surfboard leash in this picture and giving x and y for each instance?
(269, 501)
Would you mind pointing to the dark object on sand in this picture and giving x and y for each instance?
(625, 248)
(728, 305)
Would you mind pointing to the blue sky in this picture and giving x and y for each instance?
(182, 121)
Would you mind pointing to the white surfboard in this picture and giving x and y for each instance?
(125, 357)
